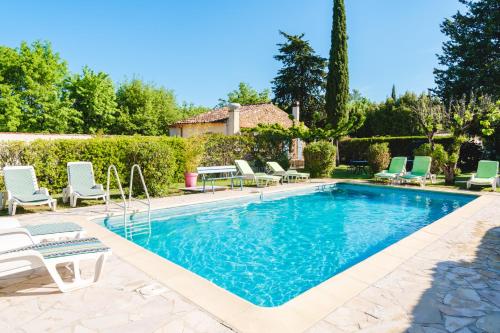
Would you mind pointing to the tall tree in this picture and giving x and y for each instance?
(31, 81)
(471, 57)
(302, 79)
(337, 85)
(94, 97)
(430, 114)
(145, 109)
(393, 93)
(245, 95)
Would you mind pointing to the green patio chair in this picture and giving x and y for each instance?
(22, 189)
(486, 175)
(420, 172)
(396, 169)
(260, 179)
(81, 184)
(275, 169)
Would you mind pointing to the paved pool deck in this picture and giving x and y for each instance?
(443, 278)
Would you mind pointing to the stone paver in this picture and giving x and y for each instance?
(32, 303)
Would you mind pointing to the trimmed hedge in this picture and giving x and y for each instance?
(357, 148)
(161, 159)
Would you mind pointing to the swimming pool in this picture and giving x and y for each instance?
(271, 250)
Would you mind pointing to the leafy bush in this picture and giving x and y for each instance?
(439, 156)
(161, 159)
(193, 153)
(357, 148)
(224, 149)
(378, 156)
(320, 158)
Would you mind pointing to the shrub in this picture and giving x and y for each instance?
(378, 156)
(320, 158)
(357, 148)
(224, 149)
(161, 159)
(193, 153)
(439, 156)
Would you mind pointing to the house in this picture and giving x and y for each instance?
(230, 119)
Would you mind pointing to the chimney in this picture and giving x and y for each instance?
(296, 112)
(233, 123)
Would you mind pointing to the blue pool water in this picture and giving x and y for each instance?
(270, 251)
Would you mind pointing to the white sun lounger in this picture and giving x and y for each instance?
(44, 232)
(52, 254)
(22, 189)
(81, 183)
(260, 179)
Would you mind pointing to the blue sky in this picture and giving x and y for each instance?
(202, 49)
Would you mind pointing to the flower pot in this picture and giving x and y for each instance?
(190, 179)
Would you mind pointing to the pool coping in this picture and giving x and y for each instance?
(304, 310)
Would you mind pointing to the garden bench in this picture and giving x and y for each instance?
(214, 173)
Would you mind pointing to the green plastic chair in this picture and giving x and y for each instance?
(81, 184)
(275, 169)
(396, 169)
(420, 172)
(22, 189)
(260, 179)
(486, 175)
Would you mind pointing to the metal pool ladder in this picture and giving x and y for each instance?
(133, 225)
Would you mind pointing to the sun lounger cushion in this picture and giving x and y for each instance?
(52, 228)
(65, 248)
(32, 197)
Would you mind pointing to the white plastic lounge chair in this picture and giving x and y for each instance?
(81, 183)
(52, 254)
(420, 171)
(260, 179)
(396, 169)
(487, 175)
(44, 232)
(22, 189)
(275, 169)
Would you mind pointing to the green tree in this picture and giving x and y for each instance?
(392, 117)
(94, 97)
(31, 82)
(471, 56)
(430, 114)
(145, 109)
(302, 79)
(468, 117)
(337, 84)
(246, 95)
(393, 92)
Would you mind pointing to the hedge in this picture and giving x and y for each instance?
(357, 148)
(161, 159)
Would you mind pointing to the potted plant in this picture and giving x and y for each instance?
(193, 153)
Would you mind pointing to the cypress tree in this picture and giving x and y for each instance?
(337, 85)
(393, 93)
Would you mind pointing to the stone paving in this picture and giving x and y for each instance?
(453, 285)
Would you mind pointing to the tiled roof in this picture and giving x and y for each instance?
(250, 116)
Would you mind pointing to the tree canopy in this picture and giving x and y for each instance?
(470, 59)
(246, 95)
(302, 79)
(31, 90)
(93, 95)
